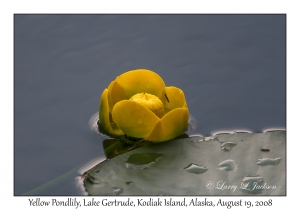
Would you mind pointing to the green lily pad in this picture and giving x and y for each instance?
(224, 164)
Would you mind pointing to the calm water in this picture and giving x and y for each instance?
(232, 69)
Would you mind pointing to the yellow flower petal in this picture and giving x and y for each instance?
(134, 119)
(170, 126)
(115, 94)
(104, 113)
(140, 80)
(174, 98)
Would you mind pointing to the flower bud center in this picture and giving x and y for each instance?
(151, 102)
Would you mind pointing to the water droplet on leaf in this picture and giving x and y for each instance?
(195, 169)
(252, 185)
(227, 165)
(142, 161)
(227, 146)
(117, 190)
(268, 161)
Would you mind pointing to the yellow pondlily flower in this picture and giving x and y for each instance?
(138, 104)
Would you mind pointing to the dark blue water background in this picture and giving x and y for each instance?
(232, 69)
